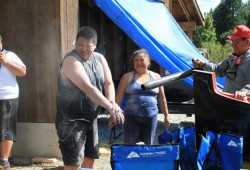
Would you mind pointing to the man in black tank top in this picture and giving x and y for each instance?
(84, 78)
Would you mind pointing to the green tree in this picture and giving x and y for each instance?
(222, 37)
(226, 15)
(246, 12)
(205, 37)
(205, 33)
(218, 52)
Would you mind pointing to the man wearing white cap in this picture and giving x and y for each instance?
(236, 67)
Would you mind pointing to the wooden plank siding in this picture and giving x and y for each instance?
(32, 29)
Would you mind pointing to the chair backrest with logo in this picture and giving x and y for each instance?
(146, 157)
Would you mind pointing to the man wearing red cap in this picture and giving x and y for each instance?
(236, 67)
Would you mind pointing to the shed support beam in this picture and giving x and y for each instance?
(189, 28)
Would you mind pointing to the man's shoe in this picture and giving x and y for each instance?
(4, 165)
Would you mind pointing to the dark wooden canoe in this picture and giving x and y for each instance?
(219, 111)
(215, 110)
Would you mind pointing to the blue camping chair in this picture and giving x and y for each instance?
(222, 151)
(230, 150)
(146, 157)
(185, 136)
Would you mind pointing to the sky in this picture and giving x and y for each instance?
(206, 5)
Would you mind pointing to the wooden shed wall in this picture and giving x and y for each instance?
(33, 30)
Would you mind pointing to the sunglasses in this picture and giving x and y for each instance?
(237, 41)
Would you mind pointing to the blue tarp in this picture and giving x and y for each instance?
(150, 25)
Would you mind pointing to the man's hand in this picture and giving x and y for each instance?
(111, 122)
(3, 58)
(241, 95)
(197, 63)
(116, 115)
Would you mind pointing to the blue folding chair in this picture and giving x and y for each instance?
(230, 150)
(188, 159)
(222, 151)
(185, 136)
(208, 158)
(146, 157)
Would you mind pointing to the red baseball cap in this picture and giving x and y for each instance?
(240, 31)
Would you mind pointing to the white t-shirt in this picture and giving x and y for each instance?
(8, 85)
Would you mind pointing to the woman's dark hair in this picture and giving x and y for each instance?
(1, 38)
(88, 33)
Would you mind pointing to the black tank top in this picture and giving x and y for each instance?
(72, 103)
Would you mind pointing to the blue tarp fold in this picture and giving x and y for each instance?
(150, 25)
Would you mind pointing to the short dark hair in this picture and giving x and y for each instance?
(88, 33)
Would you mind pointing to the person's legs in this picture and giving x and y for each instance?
(131, 129)
(6, 146)
(148, 129)
(8, 119)
(88, 163)
(91, 147)
(71, 167)
(72, 137)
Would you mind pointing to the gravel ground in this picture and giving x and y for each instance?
(104, 134)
